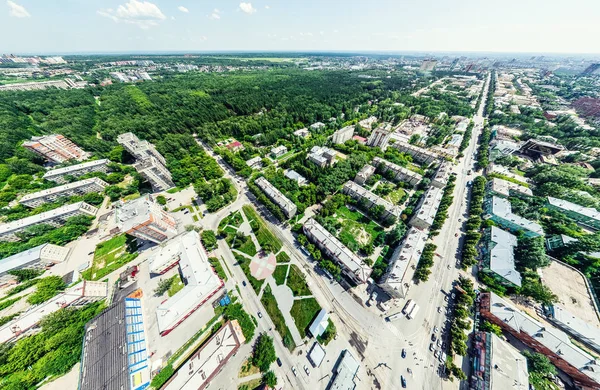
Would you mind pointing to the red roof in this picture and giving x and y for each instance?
(359, 138)
(234, 144)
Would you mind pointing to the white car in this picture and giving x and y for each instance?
(306, 371)
(439, 343)
(439, 309)
(436, 353)
(442, 357)
(435, 329)
(294, 371)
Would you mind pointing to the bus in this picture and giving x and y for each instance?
(411, 314)
(410, 304)
(394, 317)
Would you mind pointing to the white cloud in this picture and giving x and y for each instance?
(16, 10)
(267, 7)
(247, 8)
(183, 9)
(141, 13)
(215, 15)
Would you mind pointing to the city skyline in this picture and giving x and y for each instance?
(184, 26)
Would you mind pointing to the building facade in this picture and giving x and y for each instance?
(60, 175)
(369, 199)
(499, 210)
(342, 135)
(50, 195)
(56, 148)
(145, 219)
(379, 138)
(364, 174)
(396, 172)
(287, 206)
(420, 155)
(587, 216)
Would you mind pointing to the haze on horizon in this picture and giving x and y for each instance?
(37, 26)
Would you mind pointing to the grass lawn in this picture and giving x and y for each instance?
(247, 247)
(304, 311)
(234, 219)
(270, 303)
(244, 263)
(248, 369)
(396, 196)
(282, 257)
(176, 286)
(279, 274)
(110, 255)
(357, 230)
(216, 264)
(265, 238)
(251, 384)
(230, 230)
(297, 283)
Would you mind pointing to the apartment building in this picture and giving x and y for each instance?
(420, 155)
(363, 195)
(427, 209)
(502, 147)
(322, 156)
(578, 328)
(145, 219)
(499, 210)
(255, 162)
(379, 138)
(505, 188)
(502, 170)
(396, 172)
(499, 257)
(50, 195)
(364, 174)
(287, 206)
(56, 148)
(38, 257)
(398, 277)
(342, 135)
(279, 151)
(442, 174)
(60, 175)
(295, 176)
(56, 217)
(351, 265)
(587, 216)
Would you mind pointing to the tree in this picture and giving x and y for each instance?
(209, 239)
(536, 362)
(531, 253)
(270, 379)
(264, 352)
(26, 274)
(161, 200)
(487, 326)
(46, 289)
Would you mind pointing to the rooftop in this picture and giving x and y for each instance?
(319, 324)
(275, 194)
(502, 258)
(345, 371)
(366, 194)
(504, 187)
(568, 206)
(576, 325)
(502, 208)
(63, 188)
(24, 258)
(407, 254)
(430, 204)
(74, 168)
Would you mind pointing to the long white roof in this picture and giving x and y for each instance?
(75, 168)
(577, 325)
(569, 206)
(502, 257)
(502, 208)
(408, 253)
(64, 188)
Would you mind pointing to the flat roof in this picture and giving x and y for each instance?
(75, 168)
(578, 326)
(575, 208)
(502, 258)
(430, 204)
(496, 168)
(406, 255)
(363, 193)
(202, 281)
(442, 174)
(293, 175)
(503, 187)
(275, 194)
(21, 259)
(63, 188)
(316, 354)
(319, 324)
(502, 208)
(345, 371)
(414, 149)
(397, 168)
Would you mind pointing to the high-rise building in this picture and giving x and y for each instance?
(56, 148)
(343, 135)
(590, 70)
(379, 138)
(145, 219)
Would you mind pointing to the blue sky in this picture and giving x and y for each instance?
(66, 26)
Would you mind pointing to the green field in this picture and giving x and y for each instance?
(304, 311)
(280, 273)
(282, 257)
(356, 229)
(176, 286)
(297, 283)
(111, 255)
(233, 219)
(265, 238)
(396, 196)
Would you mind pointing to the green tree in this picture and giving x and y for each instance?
(270, 379)
(264, 352)
(161, 200)
(209, 239)
(536, 362)
(487, 326)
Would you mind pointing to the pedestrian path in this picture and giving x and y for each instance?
(285, 301)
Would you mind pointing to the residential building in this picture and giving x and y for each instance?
(295, 176)
(38, 257)
(502, 170)
(115, 352)
(502, 147)
(201, 282)
(505, 188)
(420, 155)
(499, 210)
(403, 262)
(319, 324)
(287, 206)
(27, 323)
(344, 372)
(379, 138)
(397, 173)
(587, 216)
(428, 65)
(199, 370)
(351, 265)
(145, 219)
(234, 146)
(255, 162)
(364, 174)
(317, 126)
(558, 241)
(427, 208)
(149, 162)
(368, 123)
(342, 135)
(583, 331)
(503, 132)
(302, 133)
(499, 257)
(442, 174)
(454, 143)
(497, 364)
(56, 148)
(369, 199)
(50, 195)
(542, 338)
(360, 140)
(60, 175)
(279, 151)
(56, 217)
(322, 156)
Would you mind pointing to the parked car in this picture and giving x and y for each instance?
(244, 283)
(435, 329)
(403, 354)
(431, 347)
(436, 353)
(306, 371)
(442, 357)
(403, 381)
(279, 362)
(294, 371)
(439, 309)
(433, 337)
(259, 314)
(439, 343)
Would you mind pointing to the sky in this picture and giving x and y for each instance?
(97, 26)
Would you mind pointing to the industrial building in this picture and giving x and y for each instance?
(586, 216)
(369, 199)
(56, 217)
(499, 210)
(397, 173)
(50, 195)
(364, 174)
(352, 266)
(420, 155)
(60, 175)
(322, 156)
(497, 364)
(38, 257)
(56, 148)
(287, 206)
(201, 281)
(428, 65)
(427, 209)
(344, 372)
(403, 262)
(505, 188)
(542, 338)
(536, 148)
(499, 258)
(145, 219)
(115, 352)
(342, 135)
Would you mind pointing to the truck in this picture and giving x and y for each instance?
(410, 315)
(394, 317)
(410, 304)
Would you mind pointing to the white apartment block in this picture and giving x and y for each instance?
(504, 188)
(55, 217)
(343, 135)
(400, 173)
(398, 277)
(287, 206)
(440, 179)
(81, 187)
(138, 148)
(379, 138)
(362, 194)
(59, 175)
(427, 209)
(420, 155)
(364, 174)
(351, 265)
(322, 156)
